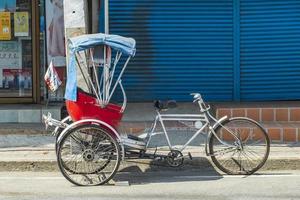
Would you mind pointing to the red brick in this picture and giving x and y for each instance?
(295, 114)
(274, 134)
(289, 134)
(257, 134)
(253, 113)
(282, 115)
(227, 136)
(244, 133)
(267, 114)
(224, 111)
(239, 112)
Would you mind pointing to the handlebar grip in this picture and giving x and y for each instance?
(196, 95)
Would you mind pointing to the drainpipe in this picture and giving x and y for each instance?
(76, 23)
(82, 17)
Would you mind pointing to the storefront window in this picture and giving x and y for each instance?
(16, 60)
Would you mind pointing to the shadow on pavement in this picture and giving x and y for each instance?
(198, 169)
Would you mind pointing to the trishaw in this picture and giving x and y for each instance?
(89, 148)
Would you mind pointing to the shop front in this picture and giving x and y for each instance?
(19, 51)
(32, 35)
(228, 50)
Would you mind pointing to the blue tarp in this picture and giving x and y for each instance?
(83, 42)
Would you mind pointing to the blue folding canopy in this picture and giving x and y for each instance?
(83, 42)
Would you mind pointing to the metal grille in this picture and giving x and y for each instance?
(270, 50)
(182, 47)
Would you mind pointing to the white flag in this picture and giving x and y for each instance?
(51, 78)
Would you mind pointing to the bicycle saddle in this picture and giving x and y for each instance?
(164, 105)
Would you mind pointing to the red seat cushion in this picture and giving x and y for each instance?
(86, 107)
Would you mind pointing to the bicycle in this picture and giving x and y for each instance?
(225, 136)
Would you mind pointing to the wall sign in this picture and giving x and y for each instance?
(10, 54)
(5, 26)
(21, 24)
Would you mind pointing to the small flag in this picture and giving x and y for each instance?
(51, 78)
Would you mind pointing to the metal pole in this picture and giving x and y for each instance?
(106, 17)
(106, 67)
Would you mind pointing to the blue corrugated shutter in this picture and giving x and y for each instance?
(270, 49)
(182, 47)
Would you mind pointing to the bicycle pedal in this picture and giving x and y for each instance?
(190, 155)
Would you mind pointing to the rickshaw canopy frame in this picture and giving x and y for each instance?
(124, 46)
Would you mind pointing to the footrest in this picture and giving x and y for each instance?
(133, 137)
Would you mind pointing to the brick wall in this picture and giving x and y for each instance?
(282, 124)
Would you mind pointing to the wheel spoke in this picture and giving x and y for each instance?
(253, 153)
(229, 161)
(249, 158)
(224, 151)
(255, 143)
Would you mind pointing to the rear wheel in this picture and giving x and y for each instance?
(88, 155)
(243, 147)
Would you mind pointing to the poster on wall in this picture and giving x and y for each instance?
(55, 32)
(21, 24)
(16, 79)
(10, 54)
(5, 28)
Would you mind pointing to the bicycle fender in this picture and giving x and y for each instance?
(223, 119)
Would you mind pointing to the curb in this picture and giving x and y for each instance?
(134, 165)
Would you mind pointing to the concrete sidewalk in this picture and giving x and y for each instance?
(36, 153)
(28, 147)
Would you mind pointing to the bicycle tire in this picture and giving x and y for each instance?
(79, 164)
(242, 163)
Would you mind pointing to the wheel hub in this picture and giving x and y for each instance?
(88, 155)
(239, 145)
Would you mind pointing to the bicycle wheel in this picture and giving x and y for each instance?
(88, 155)
(244, 153)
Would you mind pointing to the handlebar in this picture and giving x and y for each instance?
(198, 98)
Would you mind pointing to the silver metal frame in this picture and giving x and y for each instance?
(104, 87)
(204, 117)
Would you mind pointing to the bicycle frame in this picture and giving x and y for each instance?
(204, 118)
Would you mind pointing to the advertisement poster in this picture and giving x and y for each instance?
(55, 32)
(5, 28)
(16, 79)
(21, 24)
(10, 54)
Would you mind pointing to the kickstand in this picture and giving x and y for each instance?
(154, 154)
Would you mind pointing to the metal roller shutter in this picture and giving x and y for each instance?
(182, 47)
(270, 49)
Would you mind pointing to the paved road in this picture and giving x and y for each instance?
(154, 185)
